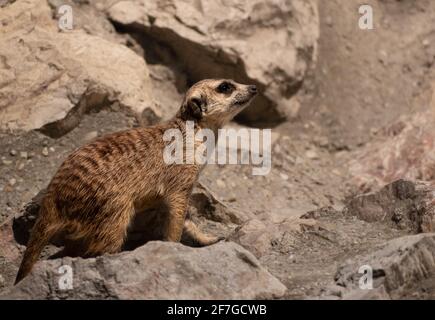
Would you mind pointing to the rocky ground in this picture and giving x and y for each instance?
(351, 113)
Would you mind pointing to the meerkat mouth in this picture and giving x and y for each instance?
(242, 102)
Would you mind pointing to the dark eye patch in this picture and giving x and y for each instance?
(226, 87)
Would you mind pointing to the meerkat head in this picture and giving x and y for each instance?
(215, 102)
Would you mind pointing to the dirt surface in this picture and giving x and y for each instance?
(365, 79)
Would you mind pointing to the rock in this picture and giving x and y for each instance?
(311, 154)
(23, 154)
(397, 266)
(404, 150)
(260, 236)
(88, 18)
(293, 109)
(272, 44)
(90, 136)
(220, 183)
(13, 152)
(4, 3)
(12, 181)
(45, 152)
(158, 270)
(168, 88)
(57, 76)
(205, 203)
(10, 250)
(255, 236)
(406, 204)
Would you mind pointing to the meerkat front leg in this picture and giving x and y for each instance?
(177, 204)
(192, 231)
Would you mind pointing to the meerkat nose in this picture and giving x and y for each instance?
(253, 89)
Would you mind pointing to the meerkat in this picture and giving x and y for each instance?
(99, 187)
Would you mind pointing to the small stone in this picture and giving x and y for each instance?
(90, 136)
(294, 108)
(299, 161)
(51, 149)
(311, 154)
(21, 166)
(23, 154)
(13, 152)
(220, 183)
(426, 43)
(12, 181)
(336, 172)
(7, 162)
(383, 56)
(328, 21)
(45, 151)
(283, 176)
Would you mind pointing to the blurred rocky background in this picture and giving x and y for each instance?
(353, 156)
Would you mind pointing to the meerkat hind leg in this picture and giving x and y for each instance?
(109, 236)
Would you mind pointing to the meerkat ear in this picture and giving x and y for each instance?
(193, 109)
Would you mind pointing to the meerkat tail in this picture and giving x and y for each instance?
(41, 234)
(195, 234)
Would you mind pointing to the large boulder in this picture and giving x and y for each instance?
(270, 43)
(403, 150)
(50, 78)
(397, 268)
(261, 236)
(405, 204)
(158, 270)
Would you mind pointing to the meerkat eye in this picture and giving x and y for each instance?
(225, 87)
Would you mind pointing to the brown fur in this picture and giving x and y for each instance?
(99, 187)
